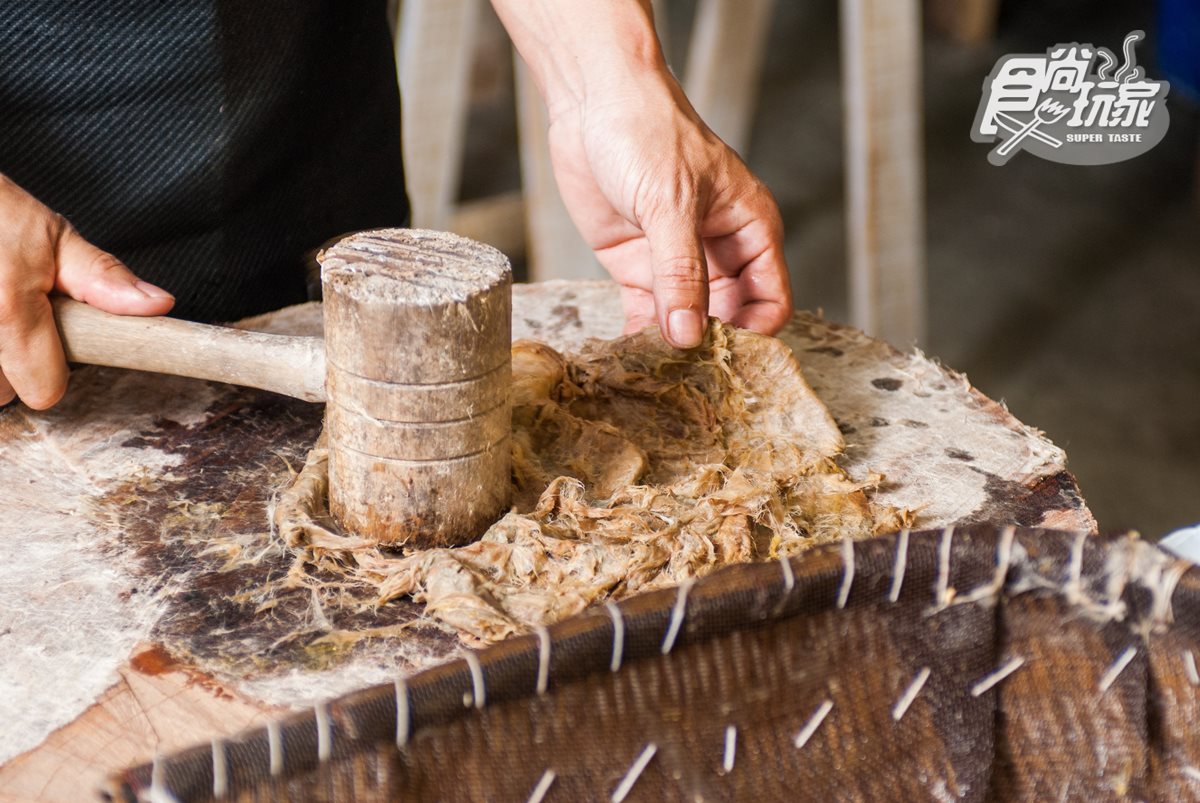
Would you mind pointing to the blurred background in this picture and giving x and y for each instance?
(1071, 293)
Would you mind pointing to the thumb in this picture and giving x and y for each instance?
(98, 278)
(680, 281)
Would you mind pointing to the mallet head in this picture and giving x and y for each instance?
(418, 328)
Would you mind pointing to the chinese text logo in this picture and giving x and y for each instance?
(1070, 106)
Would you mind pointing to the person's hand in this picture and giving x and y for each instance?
(669, 209)
(671, 212)
(39, 253)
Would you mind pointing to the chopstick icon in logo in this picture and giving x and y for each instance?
(1066, 105)
(1048, 113)
(1014, 124)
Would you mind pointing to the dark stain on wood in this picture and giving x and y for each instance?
(959, 454)
(153, 661)
(832, 351)
(201, 533)
(913, 423)
(887, 383)
(569, 314)
(1010, 502)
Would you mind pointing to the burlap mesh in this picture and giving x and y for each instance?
(1012, 665)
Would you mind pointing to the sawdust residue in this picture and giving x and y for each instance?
(635, 466)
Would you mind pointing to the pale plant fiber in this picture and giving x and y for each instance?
(635, 467)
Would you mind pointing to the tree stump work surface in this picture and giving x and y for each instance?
(134, 537)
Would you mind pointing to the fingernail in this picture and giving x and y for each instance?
(150, 291)
(685, 327)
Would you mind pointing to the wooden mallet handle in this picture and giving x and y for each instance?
(293, 366)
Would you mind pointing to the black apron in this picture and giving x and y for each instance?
(209, 144)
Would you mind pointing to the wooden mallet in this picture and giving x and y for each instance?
(415, 369)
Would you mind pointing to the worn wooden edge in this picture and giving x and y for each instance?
(1050, 480)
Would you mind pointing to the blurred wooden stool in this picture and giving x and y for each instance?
(881, 52)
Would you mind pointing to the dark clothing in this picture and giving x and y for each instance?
(207, 143)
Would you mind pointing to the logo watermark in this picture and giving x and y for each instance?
(1071, 106)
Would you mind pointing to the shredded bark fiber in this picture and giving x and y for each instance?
(635, 466)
